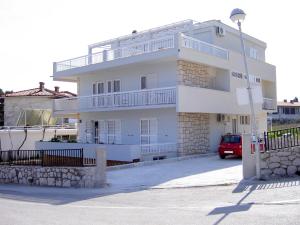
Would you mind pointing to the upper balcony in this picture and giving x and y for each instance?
(168, 46)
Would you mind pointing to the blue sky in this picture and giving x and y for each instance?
(36, 33)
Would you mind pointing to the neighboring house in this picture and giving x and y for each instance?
(171, 88)
(32, 107)
(287, 111)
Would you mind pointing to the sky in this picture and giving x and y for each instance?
(36, 33)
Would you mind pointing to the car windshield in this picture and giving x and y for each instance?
(231, 139)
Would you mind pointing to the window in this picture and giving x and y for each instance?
(143, 82)
(148, 131)
(117, 85)
(253, 53)
(109, 86)
(244, 120)
(110, 131)
(113, 86)
(100, 88)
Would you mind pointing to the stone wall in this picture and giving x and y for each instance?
(192, 74)
(49, 176)
(280, 163)
(192, 133)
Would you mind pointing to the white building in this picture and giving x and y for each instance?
(169, 89)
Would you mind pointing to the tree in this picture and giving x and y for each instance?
(1, 92)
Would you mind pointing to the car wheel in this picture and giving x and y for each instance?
(222, 156)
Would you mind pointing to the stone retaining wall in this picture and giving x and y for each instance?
(49, 176)
(280, 163)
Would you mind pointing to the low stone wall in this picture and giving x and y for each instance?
(49, 176)
(280, 163)
(81, 177)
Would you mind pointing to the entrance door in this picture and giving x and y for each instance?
(234, 126)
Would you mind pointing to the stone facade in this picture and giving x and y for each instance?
(83, 177)
(192, 74)
(192, 133)
(280, 163)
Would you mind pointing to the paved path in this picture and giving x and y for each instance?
(186, 173)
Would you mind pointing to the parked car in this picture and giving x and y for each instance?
(231, 144)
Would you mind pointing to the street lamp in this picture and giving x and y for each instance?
(237, 16)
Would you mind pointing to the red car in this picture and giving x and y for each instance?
(231, 144)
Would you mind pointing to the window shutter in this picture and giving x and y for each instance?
(153, 131)
(118, 135)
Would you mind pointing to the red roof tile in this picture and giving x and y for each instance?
(41, 93)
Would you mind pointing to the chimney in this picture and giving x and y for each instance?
(134, 32)
(284, 100)
(56, 89)
(42, 86)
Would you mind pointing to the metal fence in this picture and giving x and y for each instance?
(59, 157)
(281, 139)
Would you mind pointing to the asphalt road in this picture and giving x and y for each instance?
(259, 203)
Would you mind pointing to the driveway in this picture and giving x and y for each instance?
(196, 172)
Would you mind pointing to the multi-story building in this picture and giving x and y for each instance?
(167, 89)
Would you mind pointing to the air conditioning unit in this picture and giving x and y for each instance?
(220, 31)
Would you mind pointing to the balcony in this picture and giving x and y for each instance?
(269, 104)
(176, 41)
(150, 98)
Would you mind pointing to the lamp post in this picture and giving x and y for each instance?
(237, 16)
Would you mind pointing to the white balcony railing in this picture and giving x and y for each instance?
(201, 46)
(152, 45)
(269, 104)
(118, 53)
(158, 148)
(129, 99)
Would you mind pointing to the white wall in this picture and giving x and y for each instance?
(13, 106)
(12, 139)
(130, 76)
(130, 123)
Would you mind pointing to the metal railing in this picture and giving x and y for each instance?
(201, 46)
(281, 139)
(158, 148)
(152, 45)
(269, 104)
(138, 98)
(59, 157)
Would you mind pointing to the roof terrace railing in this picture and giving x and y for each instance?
(139, 48)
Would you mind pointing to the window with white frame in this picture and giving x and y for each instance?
(253, 53)
(148, 131)
(244, 120)
(143, 82)
(110, 131)
(113, 86)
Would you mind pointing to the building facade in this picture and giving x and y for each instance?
(31, 107)
(168, 90)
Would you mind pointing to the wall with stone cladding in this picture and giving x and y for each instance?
(83, 177)
(192, 74)
(280, 163)
(192, 133)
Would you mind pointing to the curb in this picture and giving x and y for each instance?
(149, 163)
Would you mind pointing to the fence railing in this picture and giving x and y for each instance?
(152, 45)
(138, 98)
(59, 157)
(281, 139)
(205, 47)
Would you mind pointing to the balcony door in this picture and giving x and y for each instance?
(98, 89)
(109, 131)
(148, 131)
